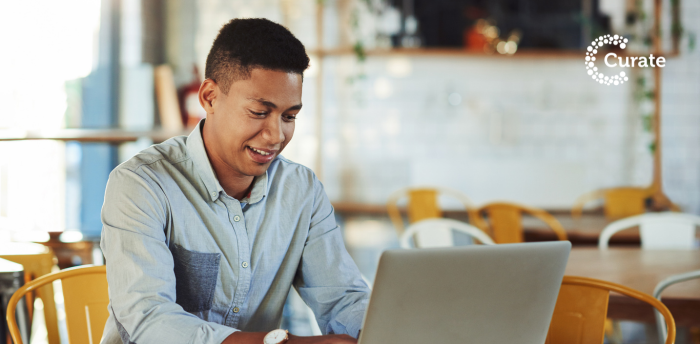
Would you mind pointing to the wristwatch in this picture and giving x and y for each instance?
(278, 336)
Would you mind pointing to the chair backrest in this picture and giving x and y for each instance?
(617, 202)
(85, 297)
(581, 309)
(438, 233)
(423, 204)
(660, 323)
(667, 230)
(37, 260)
(505, 221)
(627, 201)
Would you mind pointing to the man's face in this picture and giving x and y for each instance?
(249, 127)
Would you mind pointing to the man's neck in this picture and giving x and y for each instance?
(234, 184)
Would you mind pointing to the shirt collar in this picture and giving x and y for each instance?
(259, 190)
(195, 146)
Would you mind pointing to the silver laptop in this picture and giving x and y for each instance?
(476, 294)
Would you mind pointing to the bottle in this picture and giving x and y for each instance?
(192, 111)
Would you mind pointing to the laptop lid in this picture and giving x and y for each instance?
(476, 294)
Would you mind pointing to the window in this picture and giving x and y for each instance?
(46, 45)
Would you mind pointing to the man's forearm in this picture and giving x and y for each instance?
(245, 338)
(257, 338)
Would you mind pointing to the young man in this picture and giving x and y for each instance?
(205, 235)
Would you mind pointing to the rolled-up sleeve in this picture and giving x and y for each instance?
(328, 279)
(140, 267)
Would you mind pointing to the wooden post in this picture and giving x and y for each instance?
(659, 200)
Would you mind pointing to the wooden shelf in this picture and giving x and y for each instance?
(461, 52)
(453, 52)
(89, 135)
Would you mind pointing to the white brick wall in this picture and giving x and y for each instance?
(532, 130)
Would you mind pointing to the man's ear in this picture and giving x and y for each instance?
(208, 92)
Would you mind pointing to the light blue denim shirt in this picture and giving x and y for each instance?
(186, 263)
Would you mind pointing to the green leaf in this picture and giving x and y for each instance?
(359, 50)
(677, 29)
(641, 81)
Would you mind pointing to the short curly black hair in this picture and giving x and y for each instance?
(244, 44)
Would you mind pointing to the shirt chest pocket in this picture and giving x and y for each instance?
(196, 274)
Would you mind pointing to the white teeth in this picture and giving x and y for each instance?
(259, 151)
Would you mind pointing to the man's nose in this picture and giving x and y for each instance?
(273, 130)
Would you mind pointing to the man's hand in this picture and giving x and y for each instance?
(329, 339)
(257, 338)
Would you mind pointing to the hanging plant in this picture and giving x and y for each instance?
(358, 46)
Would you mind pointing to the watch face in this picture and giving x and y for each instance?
(275, 337)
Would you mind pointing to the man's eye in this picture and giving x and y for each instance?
(290, 117)
(258, 113)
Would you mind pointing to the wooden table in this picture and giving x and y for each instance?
(581, 232)
(114, 135)
(584, 231)
(70, 254)
(642, 270)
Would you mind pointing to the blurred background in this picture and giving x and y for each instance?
(487, 98)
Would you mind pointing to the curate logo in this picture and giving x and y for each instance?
(601, 78)
(620, 78)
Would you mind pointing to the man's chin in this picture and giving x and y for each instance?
(258, 170)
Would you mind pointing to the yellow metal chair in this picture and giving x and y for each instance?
(85, 297)
(37, 260)
(505, 221)
(581, 308)
(423, 204)
(618, 203)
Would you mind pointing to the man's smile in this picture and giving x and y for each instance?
(261, 155)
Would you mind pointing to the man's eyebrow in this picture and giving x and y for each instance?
(270, 104)
(264, 101)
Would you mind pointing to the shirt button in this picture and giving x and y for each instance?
(245, 264)
(213, 194)
(236, 218)
(235, 309)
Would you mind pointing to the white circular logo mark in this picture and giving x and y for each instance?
(590, 59)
